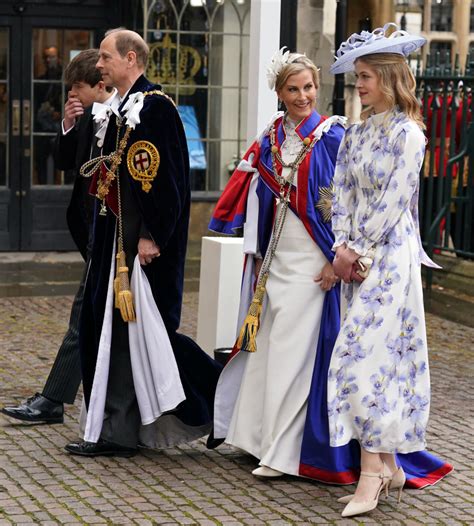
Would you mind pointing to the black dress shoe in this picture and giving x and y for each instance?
(102, 448)
(211, 442)
(37, 410)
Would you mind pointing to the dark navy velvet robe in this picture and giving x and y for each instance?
(162, 214)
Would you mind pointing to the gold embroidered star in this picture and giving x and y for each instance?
(324, 204)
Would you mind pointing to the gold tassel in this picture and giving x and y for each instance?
(123, 294)
(247, 340)
(120, 262)
(125, 299)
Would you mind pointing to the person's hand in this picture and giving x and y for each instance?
(342, 264)
(326, 278)
(73, 109)
(147, 251)
(257, 266)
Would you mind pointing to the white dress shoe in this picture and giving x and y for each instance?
(265, 471)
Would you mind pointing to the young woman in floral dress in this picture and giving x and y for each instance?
(378, 386)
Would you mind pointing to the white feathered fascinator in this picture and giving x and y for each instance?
(278, 61)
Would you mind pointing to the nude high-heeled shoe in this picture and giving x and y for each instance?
(357, 508)
(397, 483)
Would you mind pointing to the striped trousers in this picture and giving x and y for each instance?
(65, 375)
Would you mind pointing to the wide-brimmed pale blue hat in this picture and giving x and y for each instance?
(377, 41)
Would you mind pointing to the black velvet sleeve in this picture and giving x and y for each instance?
(162, 207)
(73, 149)
(65, 148)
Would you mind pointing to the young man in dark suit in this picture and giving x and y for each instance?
(75, 144)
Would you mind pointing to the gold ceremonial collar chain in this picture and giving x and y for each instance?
(285, 183)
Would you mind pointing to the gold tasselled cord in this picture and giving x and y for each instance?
(247, 340)
(123, 293)
(90, 167)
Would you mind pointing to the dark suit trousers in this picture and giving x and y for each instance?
(65, 375)
(122, 415)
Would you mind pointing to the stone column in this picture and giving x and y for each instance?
(264, 41)
(461, 21)
(383, 12)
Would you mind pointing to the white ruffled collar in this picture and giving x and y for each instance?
(101, 112)
(131, 113)
(132, 108)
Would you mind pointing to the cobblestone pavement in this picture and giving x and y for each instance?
(41, 484)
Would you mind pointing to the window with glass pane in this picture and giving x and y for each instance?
(409, 15)
(442, 47)
(4, 37)
(471, 25)
(441, 15)
(53, 49)
(199, 54)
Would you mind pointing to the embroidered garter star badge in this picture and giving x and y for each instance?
(324, 204)
(143, 161)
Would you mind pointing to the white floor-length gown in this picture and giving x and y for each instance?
(269, 415)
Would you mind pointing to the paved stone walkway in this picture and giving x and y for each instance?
(41, 484)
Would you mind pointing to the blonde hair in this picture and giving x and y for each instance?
(297, 66)
(397, 84)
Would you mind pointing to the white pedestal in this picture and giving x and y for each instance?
(219, 292)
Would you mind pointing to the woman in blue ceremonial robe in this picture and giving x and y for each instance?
(271, 399)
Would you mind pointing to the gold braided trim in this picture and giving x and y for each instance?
(159, 92)
(103, 185)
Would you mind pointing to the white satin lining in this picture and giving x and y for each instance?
(155, 372)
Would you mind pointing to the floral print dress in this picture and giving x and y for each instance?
(378, 386)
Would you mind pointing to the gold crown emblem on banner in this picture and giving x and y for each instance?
(163, 66)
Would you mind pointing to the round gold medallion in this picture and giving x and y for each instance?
(143, 161)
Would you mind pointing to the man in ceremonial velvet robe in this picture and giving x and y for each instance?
(146, 202)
